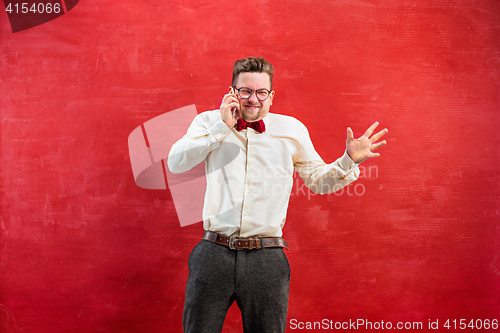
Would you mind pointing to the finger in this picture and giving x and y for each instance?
(226, 97)
(370, 129)
(380, 134)
(230, 100)
(229, 94)
(350, 134)
(235, 105)
(378, 145)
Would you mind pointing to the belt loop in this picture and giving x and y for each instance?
(214, 236)
(261, 242)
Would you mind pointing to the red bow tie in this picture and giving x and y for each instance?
(256, 125)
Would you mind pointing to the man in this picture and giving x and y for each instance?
(250, 156)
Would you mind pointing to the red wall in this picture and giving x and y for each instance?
(84, 249)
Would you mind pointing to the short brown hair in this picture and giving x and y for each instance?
(252, 65)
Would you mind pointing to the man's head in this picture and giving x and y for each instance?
(253, 65)
(253, 74)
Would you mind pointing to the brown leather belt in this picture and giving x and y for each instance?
(239, 243)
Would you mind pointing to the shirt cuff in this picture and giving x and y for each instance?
(349, 166)
(219, 130)
(346, 162)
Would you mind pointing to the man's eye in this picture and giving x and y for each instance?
(245, 92)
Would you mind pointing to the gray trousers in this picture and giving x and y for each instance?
(258, 280)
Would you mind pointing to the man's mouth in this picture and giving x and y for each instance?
(252, 107)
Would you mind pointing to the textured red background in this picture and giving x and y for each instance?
(83, 249)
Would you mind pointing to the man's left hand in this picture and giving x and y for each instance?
(362, 148)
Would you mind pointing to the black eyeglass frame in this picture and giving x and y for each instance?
(252, 91)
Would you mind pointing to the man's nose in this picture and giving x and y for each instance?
(253, 97)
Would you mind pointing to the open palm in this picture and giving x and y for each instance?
(362, 148)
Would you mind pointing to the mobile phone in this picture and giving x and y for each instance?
(233, 110)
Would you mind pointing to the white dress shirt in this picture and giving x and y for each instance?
(250, 174)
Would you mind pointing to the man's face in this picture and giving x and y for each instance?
(253, 109)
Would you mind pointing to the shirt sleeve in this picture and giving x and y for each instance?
(318, 176)
(201, 138)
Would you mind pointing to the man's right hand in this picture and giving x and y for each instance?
(229, 103)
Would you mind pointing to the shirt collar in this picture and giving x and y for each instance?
(266, 121)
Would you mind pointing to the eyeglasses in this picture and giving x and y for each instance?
(245, 93)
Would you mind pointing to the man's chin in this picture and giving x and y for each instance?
(250, 116)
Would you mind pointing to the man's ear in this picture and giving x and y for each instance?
(271, 96)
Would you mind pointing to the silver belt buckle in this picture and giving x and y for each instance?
(231, 243)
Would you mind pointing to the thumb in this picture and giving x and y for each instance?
(350, 136)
